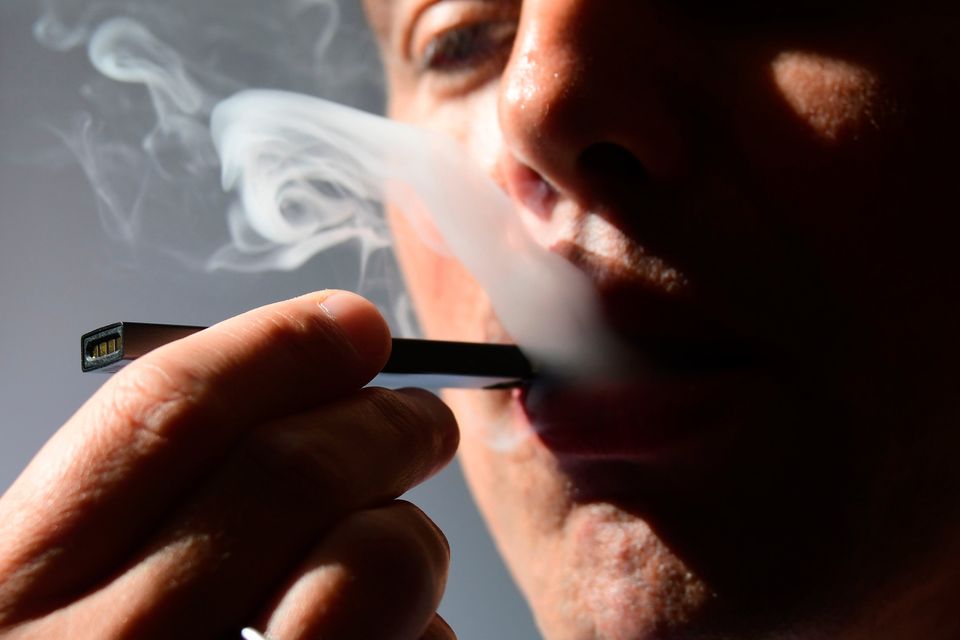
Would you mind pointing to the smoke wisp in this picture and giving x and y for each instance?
(161, 66)
(310, 175)
(304, 165)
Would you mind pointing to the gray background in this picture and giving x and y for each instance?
(61, 275)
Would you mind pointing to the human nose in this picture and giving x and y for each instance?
(590, 99)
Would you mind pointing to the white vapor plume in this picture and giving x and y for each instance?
(304, 165)
(125, 51)
(310, 176)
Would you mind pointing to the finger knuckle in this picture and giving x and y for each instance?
(291, 468)
(151, 401)
(296, 336)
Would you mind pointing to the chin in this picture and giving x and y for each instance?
(611, 577)
(590, 567)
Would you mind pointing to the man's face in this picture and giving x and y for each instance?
(763, 196)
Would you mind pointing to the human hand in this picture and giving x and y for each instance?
(238, 476)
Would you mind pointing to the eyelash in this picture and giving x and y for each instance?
(468, 48)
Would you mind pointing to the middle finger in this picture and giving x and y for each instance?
(222, 553)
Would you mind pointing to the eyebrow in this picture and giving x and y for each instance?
(381, 14)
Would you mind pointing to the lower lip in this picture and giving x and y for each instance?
(652, 419)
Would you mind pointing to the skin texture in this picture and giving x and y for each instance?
(237, 477)
(779, 174)
(762, 196)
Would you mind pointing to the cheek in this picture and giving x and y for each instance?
(449, 302)
(834, 98)
(471, 120)
(483, 140)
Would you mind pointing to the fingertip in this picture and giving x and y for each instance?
(361, 322)
(445, 420)
(438, 629)
(416, 512)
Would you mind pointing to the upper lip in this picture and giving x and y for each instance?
(670, 332)
(652, 308)
(687, 371)
(693, 363)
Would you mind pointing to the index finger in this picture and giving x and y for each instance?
(152, 431)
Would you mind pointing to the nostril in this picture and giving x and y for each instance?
(611, 163)
(531, 189)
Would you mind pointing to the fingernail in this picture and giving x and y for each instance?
(361, 323)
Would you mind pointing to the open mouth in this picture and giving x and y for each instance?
(648, 418)
(690, 379)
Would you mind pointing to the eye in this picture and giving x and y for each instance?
(467, 47)
(461, 43)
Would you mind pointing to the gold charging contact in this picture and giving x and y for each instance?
(104, 348)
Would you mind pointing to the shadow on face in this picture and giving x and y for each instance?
(758, 193)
